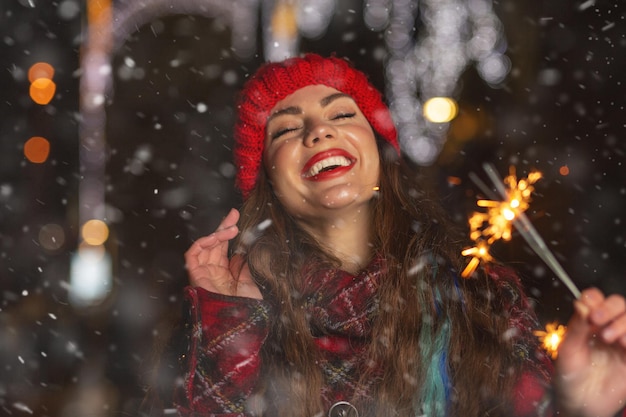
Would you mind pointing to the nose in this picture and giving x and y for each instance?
(320, 131)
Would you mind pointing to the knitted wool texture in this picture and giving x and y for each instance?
(275, 81)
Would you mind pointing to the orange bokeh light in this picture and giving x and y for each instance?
(99, 11)
(564, 170)
(40, 70)
(42, 90)
(95, 232)
(284, 21)
(37, 149)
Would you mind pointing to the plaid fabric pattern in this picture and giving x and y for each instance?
(227, 333)
(534, 385)
(342, 307)
(225, 339)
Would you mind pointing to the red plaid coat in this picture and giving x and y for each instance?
(223, 363)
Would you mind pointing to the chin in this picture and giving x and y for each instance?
(345, 197)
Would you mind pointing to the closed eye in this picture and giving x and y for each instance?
(284, 131)
(343, 116)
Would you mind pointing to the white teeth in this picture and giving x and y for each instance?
(328, 162)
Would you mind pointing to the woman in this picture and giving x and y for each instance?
(343, 297)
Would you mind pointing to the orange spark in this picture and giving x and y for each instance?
(496, 222)
(551, 338)
(480, 252)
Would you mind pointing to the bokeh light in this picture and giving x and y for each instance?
(90, 276)
(284, 21)
(42, 90)
(95, 232)
(51, 237)
(40, 70)
(440, 109)
(162, 98)
(37, 149)
(99, 11)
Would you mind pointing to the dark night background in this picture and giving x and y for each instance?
(169, 177)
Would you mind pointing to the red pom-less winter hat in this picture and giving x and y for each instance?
(275, 81)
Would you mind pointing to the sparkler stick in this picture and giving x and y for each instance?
(531, 236)
(483, 187)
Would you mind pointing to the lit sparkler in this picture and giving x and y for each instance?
(480, 252)
(495, 223)
(485, 228)
(551, 338)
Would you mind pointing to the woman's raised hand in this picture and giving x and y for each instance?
(590, 375)
(210, 268)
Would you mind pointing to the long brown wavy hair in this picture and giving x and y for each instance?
(419, 295)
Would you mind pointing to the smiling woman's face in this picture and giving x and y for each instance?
(320, 153)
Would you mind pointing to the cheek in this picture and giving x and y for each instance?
(281, 163)
(371, 155)
(270, 169)
(272, 162)
(373, 165)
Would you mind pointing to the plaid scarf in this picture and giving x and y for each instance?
(341, 307)
(222, 364)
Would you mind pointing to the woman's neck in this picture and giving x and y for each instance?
(346, 235)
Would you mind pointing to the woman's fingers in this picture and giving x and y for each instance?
(579, 325)
(608, 310)
(616, 331)
(231, 219)
(597, 316)
(606, 316)
(209, 267)
(592, 358)
(214, 248)
(207, 259)
(226, 230)
(610, 318)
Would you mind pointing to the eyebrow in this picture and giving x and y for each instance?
(329, 99)
(298, 110)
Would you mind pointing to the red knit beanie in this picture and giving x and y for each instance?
(275, 81)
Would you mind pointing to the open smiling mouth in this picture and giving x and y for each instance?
(327, 165)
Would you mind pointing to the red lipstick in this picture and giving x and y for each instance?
(336, 171)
